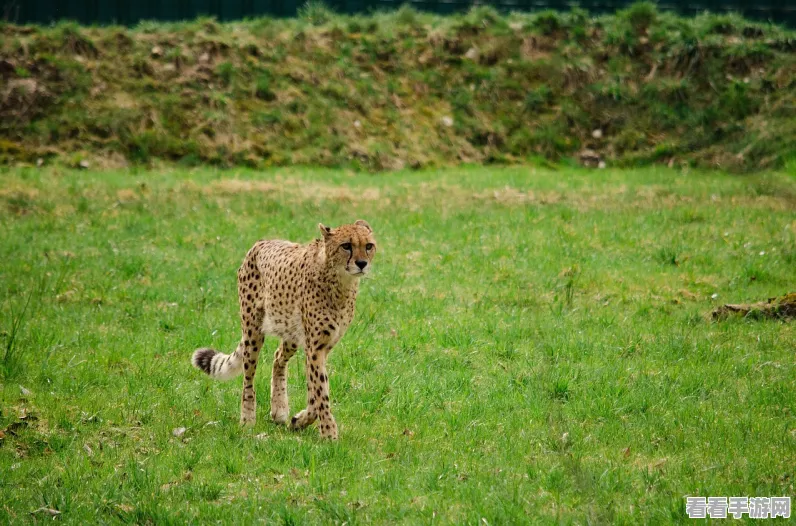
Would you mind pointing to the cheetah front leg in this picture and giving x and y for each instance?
(280, 409)
(318, 405)
(323, 407)
(306, 416)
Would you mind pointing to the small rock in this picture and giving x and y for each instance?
(589, 158)
(601, 164)
(472, 53)
(178, 432)
(515, 26)
(84, 164)
(29, 86)
(597, 134)
(47, 511)
(447, 121)
(156, 52)
(204, 57)
(357, 124)
(39, 162)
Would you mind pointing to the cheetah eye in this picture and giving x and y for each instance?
(346, 246)
(369, 247)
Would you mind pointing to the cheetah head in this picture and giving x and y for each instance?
(350, 248)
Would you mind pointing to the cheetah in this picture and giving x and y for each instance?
(304, 295)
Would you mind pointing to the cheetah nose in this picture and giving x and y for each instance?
(362, 264)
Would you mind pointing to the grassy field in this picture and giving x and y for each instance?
(533, 347)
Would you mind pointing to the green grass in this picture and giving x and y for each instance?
(404, 89)
(531, 348)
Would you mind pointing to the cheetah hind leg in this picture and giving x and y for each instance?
(248, 402)
(280, 407)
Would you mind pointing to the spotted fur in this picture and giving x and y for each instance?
(305, 295)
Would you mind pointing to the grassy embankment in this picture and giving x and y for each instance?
(403, 90)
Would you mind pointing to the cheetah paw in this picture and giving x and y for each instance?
(302, 420)
(329, 431)
(280, 414)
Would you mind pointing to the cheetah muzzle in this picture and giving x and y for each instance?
(304, 295)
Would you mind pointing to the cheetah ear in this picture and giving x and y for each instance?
(325, 230)
(362, 222)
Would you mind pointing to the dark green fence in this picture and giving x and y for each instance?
(132, 11)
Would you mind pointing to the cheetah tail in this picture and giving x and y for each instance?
(218, 365)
